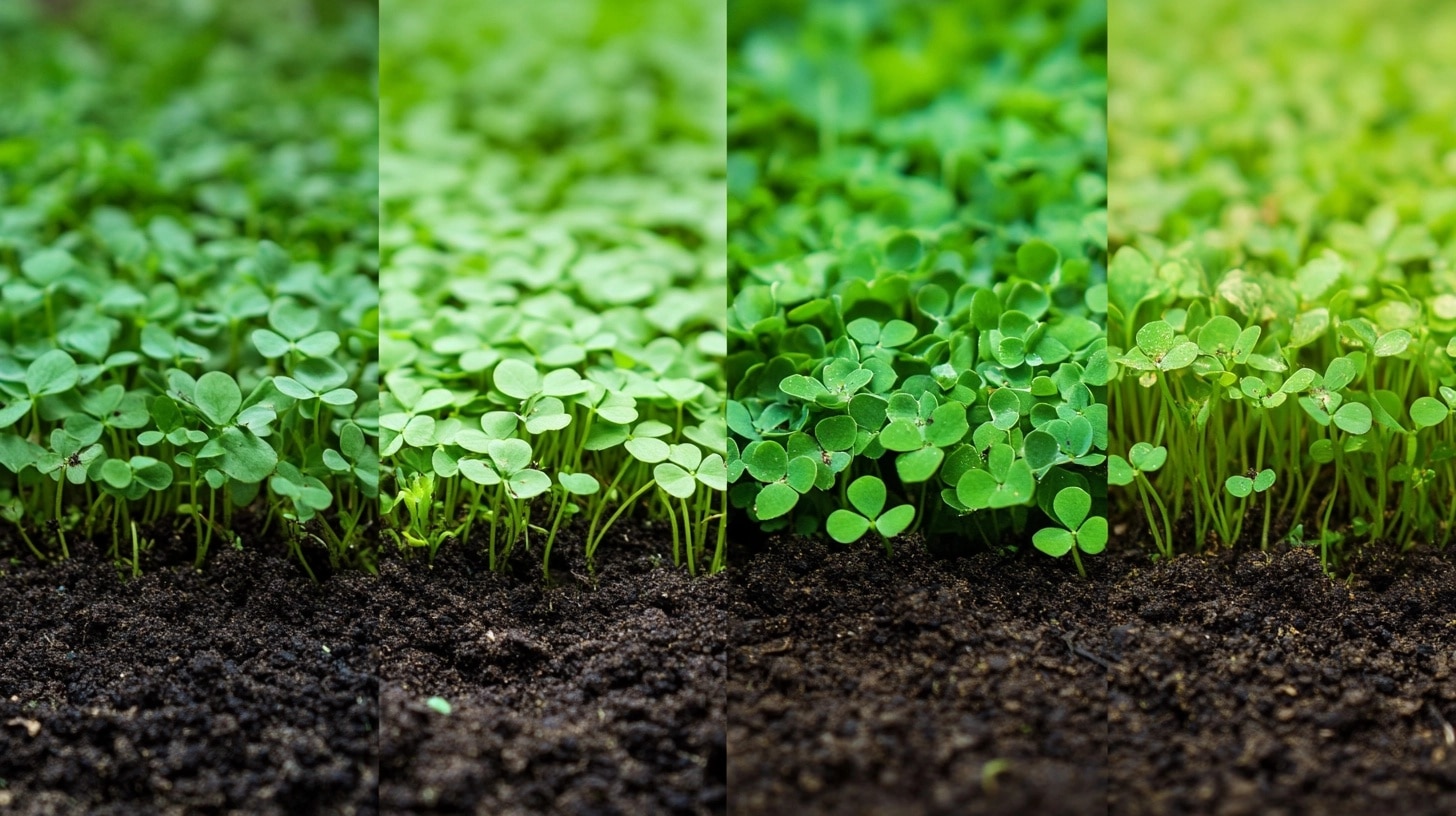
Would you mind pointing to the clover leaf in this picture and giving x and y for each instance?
(867, 495)
(1082, 532)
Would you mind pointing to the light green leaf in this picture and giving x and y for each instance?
(246, 458)
(1054, 541)
(674, 480)
(867, 494)
(895, 520)
(516, 378)
(218, 397)
(54, 372)
(1072, 504)
(846, 527)
(579, 484)
(775, 500)
(1353, 418)
(1428, 412)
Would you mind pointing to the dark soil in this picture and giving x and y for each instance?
(241, 689)
(1240, 683)
(1249, 683)
(861, 685)
(596, 696)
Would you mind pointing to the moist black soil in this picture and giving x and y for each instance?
(1240, 683)
(244, 688)
(1250, 683)
(602, 694)
(912, 685)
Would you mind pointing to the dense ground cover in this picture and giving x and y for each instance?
(1283, 298)
(187, 336)
(917, 271)
(552, 178)
(1280, 318)
(917, 282)
(187, 255)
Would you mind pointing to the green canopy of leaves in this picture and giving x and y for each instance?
(553, 274)
(188, 256)
(1282, 307)
(917, 266)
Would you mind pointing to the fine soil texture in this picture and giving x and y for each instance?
(244, 688)
(598, 694)
(914, 685)
(1250, 683)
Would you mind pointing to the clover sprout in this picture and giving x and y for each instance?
(1080, 532)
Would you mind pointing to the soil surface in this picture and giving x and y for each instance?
(861, 685)
(1249, 683)
(241, 689)
(599, 695)
(1240, 683)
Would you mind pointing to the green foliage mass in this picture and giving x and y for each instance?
(917, 264)
(1283, 299)
(187, 254)
(553, 314)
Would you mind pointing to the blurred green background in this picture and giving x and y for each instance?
(1324, 108)
(260, 112)
(553, 131)
(898, 113)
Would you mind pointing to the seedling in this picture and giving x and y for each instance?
(867, 497)
(1241, 487)
(1082, 533)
